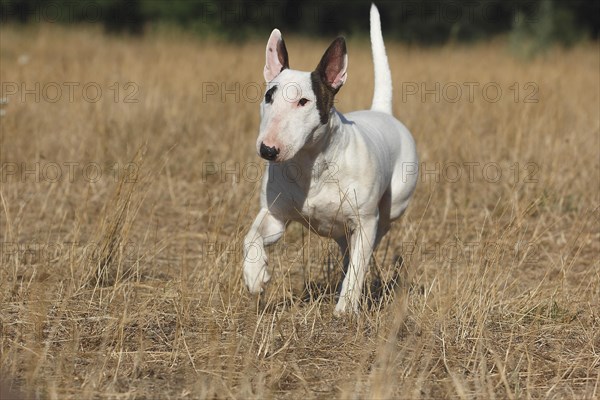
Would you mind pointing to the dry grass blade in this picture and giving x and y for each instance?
(117, 221)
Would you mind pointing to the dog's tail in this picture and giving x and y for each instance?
(382, 97)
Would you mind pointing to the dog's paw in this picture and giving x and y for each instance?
(344, 308)
(339, 311)
(255, 275)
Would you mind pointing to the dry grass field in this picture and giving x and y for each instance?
(129, 177)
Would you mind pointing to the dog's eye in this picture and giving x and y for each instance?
(302, 102)
(269, 95)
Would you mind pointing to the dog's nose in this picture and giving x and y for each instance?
(268, 153)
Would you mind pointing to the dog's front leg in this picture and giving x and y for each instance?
(265, 230)
(361, 249)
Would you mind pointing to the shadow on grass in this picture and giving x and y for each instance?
(376, 294)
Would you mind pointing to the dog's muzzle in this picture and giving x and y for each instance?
(268, 153)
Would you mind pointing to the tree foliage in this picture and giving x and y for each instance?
(415, 21)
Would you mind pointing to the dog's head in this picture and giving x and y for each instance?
(297, 104)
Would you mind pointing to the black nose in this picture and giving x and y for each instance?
(268, 153)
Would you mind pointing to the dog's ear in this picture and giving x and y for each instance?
(276, 56)
(333, 65)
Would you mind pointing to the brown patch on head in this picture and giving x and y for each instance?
(323, 76)
(332, 61)
(324, 95)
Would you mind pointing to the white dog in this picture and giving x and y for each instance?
(343, 176)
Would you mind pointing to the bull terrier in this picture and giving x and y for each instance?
(344, 176)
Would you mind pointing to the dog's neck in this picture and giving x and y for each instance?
(327, 141)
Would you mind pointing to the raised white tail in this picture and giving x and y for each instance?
(382, 97)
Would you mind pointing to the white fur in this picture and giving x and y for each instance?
(284, 124)
(346, 179)
(382, 98)
(272, 64)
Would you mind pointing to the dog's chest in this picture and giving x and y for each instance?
(317, 203)
(325, 211)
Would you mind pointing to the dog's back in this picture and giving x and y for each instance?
(392, 144)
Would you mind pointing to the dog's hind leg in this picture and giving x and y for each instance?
(266, 229)
(345, 251)
(361, 249)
